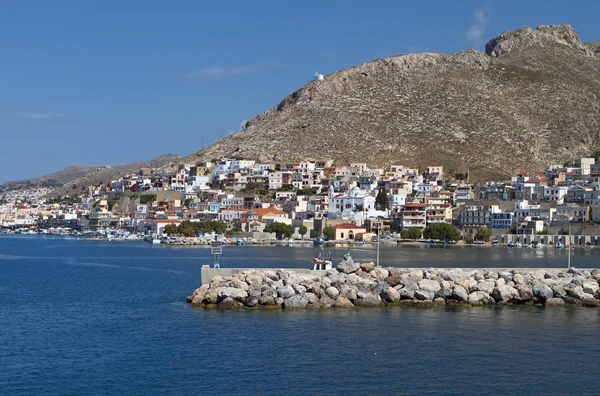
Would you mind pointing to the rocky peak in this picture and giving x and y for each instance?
(516, 41)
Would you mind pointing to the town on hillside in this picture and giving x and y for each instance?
(315, 198)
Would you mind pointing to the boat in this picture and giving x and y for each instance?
(559, 245)
(322, 263)
(240, 242)
(291, 242)
(537, 245)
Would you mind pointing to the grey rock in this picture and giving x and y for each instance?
(390, 295)
(295, 302)
(445, 293)
(287, 291)
(525, 291)
(575, 291)
(554, 302)
(348, 292)
(559, 291)
(348, 266)
(507, 276)
(238, 284)
(381, 286)
(424, 295)
(332, 292)
(590, 286)
(429, 285)
(452, 275)
(596, 274)
(406, 293)
(439, 301)
(368, 300)
(251, 301)
(485, 286)
(589, 301)
(299, 289)
(480, 298)
(343, 302)
(233, 293)
(336, 279)
(459, 294)
(379, 273)
(326, 302)
(578, 280)
(542, 292)
(230, 303)
(255, 291)
(313, 300)
(267, 300)
(505, 293)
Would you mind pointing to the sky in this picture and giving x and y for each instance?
(113, 82)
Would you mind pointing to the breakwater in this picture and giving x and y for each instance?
(354, 284)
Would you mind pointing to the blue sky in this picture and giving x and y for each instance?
(112, 82)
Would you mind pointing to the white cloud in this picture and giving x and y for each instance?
(215, 72)
(477, 29)
(40, 116)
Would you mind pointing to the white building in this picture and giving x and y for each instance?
(345, 205)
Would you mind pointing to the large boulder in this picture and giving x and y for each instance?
(424, 295)
(406, 293)
(297, 301)
(326, 302)
(230, 303)
(525, 291)
(575, 291)
(460, 294)
(590, 286)
(343, 302)
(313, 300)
(287, 291)
(336, 279)
(445, 293)
(379, 273)
(198, 296)
(390, 295)
(348, 266)
(332, 292)
(233, 293)
(555, 302)
(239, 284)
(480, 298)
(504, 293)
(367, 267)
(543, 292)
(394, 277)
(452, 275)
(348, 292)
(485, 286)
(367, 300)
(429, 285)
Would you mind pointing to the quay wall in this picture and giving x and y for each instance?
(354, 284)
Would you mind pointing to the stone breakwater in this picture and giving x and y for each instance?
(353, 284)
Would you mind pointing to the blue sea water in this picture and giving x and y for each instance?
(81, 317)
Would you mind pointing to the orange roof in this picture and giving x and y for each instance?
(348, 226)
(261, 212)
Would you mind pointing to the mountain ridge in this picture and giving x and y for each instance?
(82, 174)
(532, 99)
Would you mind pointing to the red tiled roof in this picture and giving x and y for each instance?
(262, 212)
(348, 226)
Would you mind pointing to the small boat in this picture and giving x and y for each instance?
(537, 245)
(240, 242)
(291, 242)
(318, 241)
(322, 263)
(559, 245)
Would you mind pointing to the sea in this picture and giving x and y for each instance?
(110, 318)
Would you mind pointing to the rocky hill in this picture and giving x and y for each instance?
(82, 176)
(530, 100)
